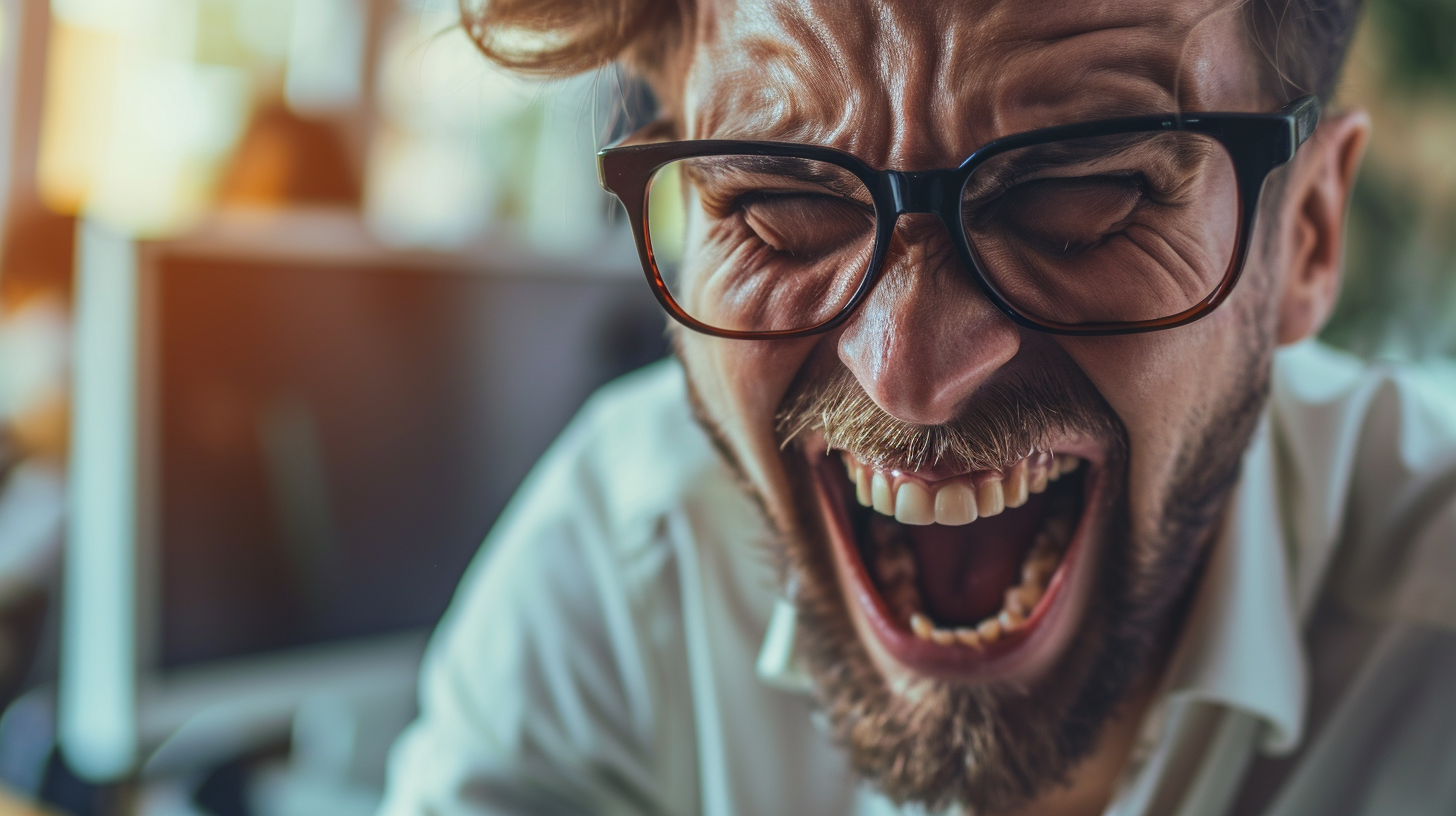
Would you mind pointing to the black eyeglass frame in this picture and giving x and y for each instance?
(1256, 142)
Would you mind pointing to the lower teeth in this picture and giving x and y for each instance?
(894, 566)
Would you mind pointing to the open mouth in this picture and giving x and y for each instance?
(963, 573)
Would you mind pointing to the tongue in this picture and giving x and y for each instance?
(965, 571)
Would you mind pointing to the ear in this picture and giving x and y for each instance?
(1313, 211)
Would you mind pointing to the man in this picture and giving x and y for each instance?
(980, 485)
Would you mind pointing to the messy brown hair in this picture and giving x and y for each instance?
(556, 38)
(1303, 42)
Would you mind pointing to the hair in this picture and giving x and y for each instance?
(1302, 42)
(564, 37)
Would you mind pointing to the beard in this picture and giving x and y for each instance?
(995, 747)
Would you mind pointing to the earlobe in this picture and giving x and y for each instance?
(1314, 210)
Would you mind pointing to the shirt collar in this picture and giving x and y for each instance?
(1241, 646)
(780, 660)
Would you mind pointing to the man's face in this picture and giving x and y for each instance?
(928, 389)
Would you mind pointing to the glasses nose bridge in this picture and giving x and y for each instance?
(922, 191)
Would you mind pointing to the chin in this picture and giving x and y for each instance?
(968, 662)
(972, 607)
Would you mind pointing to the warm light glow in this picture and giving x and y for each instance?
(439, 168)
(136, 128)
(462, 146)
(80, 84)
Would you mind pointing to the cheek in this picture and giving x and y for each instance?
(733, 280)
(1167, 388)
(741, 384)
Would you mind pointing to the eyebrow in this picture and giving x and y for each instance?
(995, 177)
(781, 169)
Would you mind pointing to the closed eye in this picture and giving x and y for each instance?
(806, 225)
(1068, 215)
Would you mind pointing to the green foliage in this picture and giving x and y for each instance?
(1420, 42)
(1399, 296)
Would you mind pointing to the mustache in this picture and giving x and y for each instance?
(1001, 422)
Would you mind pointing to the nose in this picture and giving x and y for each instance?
(926, 337)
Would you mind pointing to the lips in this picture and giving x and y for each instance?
(965, 574)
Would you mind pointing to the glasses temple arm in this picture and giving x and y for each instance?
(1304, 114)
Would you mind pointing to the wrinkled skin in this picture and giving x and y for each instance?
(909, 85)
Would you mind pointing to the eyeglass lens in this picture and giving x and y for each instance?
(1111, 229)
(752, 243)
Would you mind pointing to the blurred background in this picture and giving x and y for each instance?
(292, 294)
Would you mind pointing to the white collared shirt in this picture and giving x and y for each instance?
(619, 646)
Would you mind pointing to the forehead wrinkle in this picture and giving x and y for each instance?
(1044, 79)
(1140, 37)
(1121, 59)
(1246, 84)
(792, 76)
(818, 71)
(911, 54)
(914, 85)
(1051, 21)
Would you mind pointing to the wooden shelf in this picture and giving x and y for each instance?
(339, 236)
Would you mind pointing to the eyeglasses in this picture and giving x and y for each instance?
(1116, 226)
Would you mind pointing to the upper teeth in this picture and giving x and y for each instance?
(960, 500)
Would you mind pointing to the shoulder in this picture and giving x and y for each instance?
(634, 450)
(1368, 454)
(561, 655)
(1311, 378)
(597, 498)
(1378, 423)
(1334, 409)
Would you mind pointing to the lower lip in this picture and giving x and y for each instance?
(1019, 655)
